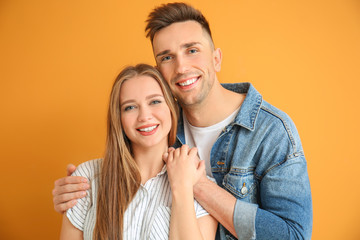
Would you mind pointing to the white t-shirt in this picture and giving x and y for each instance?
(204, 137)
(148, 214)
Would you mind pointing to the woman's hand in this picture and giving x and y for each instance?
(184, 167)
(184, 170)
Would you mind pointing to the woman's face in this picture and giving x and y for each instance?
(145, 116)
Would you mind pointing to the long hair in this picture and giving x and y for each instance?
(170, 13)
(119, 178)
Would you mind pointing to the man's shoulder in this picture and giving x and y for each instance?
(278, 124)
(274, 112)
(255, 108)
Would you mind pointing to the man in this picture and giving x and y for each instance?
(251, 148)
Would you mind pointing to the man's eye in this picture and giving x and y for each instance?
(193, 51)
(128, 108)
(166, 58)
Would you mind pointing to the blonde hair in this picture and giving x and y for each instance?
(119, 178)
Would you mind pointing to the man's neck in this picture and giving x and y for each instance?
(217, 106)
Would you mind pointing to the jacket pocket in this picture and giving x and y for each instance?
(242, 184)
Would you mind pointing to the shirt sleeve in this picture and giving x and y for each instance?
(77, 214)
(199, 210)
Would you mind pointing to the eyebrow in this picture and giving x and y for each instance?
(185, 45)
(147, 98)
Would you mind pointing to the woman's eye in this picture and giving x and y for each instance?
(128, 108)
(155, 102)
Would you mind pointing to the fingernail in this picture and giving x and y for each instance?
(84, 180)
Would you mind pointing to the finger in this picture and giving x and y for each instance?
(70, 169)
(184, 150)
(176, 152)
(69, 188)
(193, 152)
(70, 180)
(165, 157)
(60, 199)
(201, 166)
(61, 208)
(170, 156)
(170, 151)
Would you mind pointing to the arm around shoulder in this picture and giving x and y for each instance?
(68, 189)
(208, 226)
(208, 193)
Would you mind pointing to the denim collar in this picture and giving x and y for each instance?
(250, 107)
(248, 112)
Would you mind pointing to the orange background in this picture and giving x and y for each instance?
(58, 60)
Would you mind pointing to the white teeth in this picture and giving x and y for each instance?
(149, 129)
(188, 82)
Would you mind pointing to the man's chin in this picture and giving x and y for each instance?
(187, 103)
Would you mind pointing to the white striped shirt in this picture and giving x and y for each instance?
(147, 216)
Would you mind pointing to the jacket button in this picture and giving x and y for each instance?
(244, 189)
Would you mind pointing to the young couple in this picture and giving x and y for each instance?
(250, 148)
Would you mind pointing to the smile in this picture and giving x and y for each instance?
(147, 129)
(188, 82)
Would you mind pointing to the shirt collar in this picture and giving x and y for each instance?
(163, 170)
(248, 113)
(250, 107)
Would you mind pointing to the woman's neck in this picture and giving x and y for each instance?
(149, 161)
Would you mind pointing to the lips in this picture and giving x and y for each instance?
(148, 129)
(188, 83)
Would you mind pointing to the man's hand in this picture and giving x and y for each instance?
(68, 189)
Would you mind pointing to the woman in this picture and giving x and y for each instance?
(131, 195)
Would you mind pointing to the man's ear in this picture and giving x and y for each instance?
(217, 56)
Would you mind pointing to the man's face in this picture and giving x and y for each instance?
(186, 58)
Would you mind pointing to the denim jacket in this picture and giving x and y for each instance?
(259, 159)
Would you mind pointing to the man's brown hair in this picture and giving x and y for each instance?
(170, 13)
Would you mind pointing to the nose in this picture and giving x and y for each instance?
(182, 65)
(144, 114)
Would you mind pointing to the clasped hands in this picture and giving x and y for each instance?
(184, 167)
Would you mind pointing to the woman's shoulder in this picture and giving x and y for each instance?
(89, 168)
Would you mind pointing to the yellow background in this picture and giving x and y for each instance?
(58, 59)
